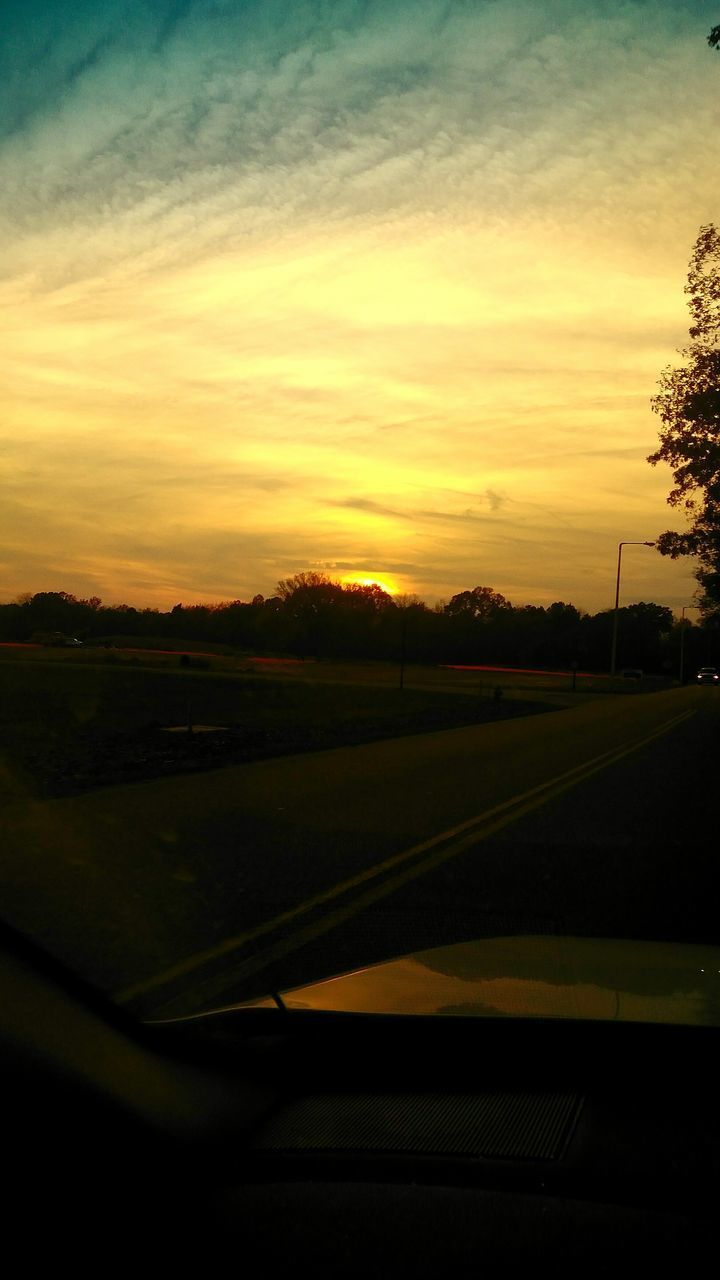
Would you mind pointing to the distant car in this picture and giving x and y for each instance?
(632, 673)
(55, 640)
(708, 675)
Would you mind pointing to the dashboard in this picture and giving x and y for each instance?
(348, 1143)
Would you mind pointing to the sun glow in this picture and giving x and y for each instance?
(367, 580)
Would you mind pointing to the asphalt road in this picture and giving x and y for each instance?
(591, 820)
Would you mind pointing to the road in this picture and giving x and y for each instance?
(590, 820)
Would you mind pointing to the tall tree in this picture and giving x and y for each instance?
(482, 603)
(688, 404)
(309, 580)
(311, 602)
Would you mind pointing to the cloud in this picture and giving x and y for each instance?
(187, 126)
(447, 517)
(369, 506)
(495, 500)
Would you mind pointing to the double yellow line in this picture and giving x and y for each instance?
(385, 877)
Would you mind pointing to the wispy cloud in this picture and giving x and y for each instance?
(372, 508)
(186, 125)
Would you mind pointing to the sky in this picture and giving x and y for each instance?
(376, 289)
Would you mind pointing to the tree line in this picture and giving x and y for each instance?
(312, 616)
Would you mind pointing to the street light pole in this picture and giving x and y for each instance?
(403, 643)
(682, 637)
(613, 654)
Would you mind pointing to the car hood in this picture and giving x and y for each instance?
(533, 976)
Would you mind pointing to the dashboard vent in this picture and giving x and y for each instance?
(499, 1126)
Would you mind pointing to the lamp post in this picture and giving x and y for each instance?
(613, 654)
(682, 637)
(403, 643)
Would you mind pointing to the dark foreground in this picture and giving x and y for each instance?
(191, 889)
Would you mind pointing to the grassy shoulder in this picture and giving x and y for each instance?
(72, 720)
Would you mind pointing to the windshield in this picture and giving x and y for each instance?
(361, 551)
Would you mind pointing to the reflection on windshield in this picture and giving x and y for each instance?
(538, 977)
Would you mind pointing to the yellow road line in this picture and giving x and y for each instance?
(440, 847)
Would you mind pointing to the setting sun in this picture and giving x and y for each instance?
(367, 580)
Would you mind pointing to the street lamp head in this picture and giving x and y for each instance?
(648, 544)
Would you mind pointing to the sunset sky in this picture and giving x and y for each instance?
(376, 288)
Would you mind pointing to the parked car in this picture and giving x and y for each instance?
(55, 640)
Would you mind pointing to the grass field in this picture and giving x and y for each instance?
(73, 719)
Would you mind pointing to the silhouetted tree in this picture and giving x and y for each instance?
(311, 602)
(480, 625)
(52, 611)
(695, 648)
(13, 621)
(643, 631)
(368, 596)
(360, 629)
(481, 603)
(689, 407)
(563, 633)
(301, 583)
